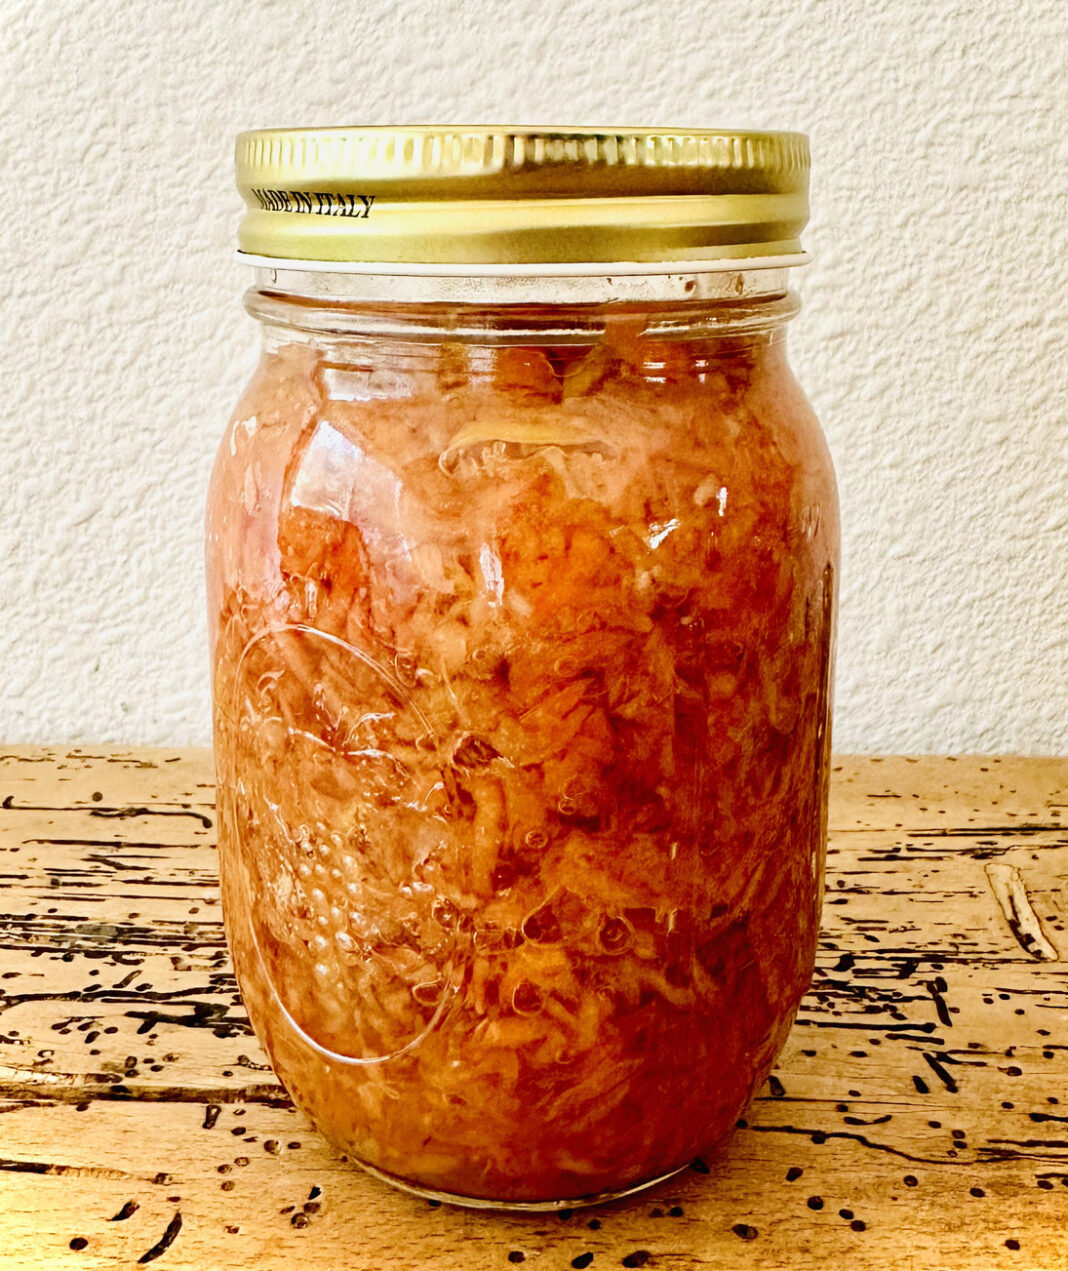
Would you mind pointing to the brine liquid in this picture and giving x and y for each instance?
(521, 692)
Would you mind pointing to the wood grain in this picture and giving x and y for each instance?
(918, 1118)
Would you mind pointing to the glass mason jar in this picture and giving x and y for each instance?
(522, 555)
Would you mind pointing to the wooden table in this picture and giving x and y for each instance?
(918, 1118)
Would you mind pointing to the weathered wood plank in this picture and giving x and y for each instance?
(918, 1118)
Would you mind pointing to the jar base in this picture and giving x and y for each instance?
(513, 1206)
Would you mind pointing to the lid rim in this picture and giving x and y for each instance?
(531, 197)
(545, 269)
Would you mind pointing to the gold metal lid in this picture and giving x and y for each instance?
(508, 198)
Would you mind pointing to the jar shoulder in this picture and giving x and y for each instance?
(446, 445)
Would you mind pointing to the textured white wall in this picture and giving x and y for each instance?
(934, 338)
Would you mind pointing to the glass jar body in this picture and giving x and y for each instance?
(522, 627)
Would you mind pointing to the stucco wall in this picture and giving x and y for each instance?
(933, 340)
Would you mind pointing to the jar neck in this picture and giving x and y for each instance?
(723, 304)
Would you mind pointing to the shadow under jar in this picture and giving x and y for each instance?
(522, 588)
